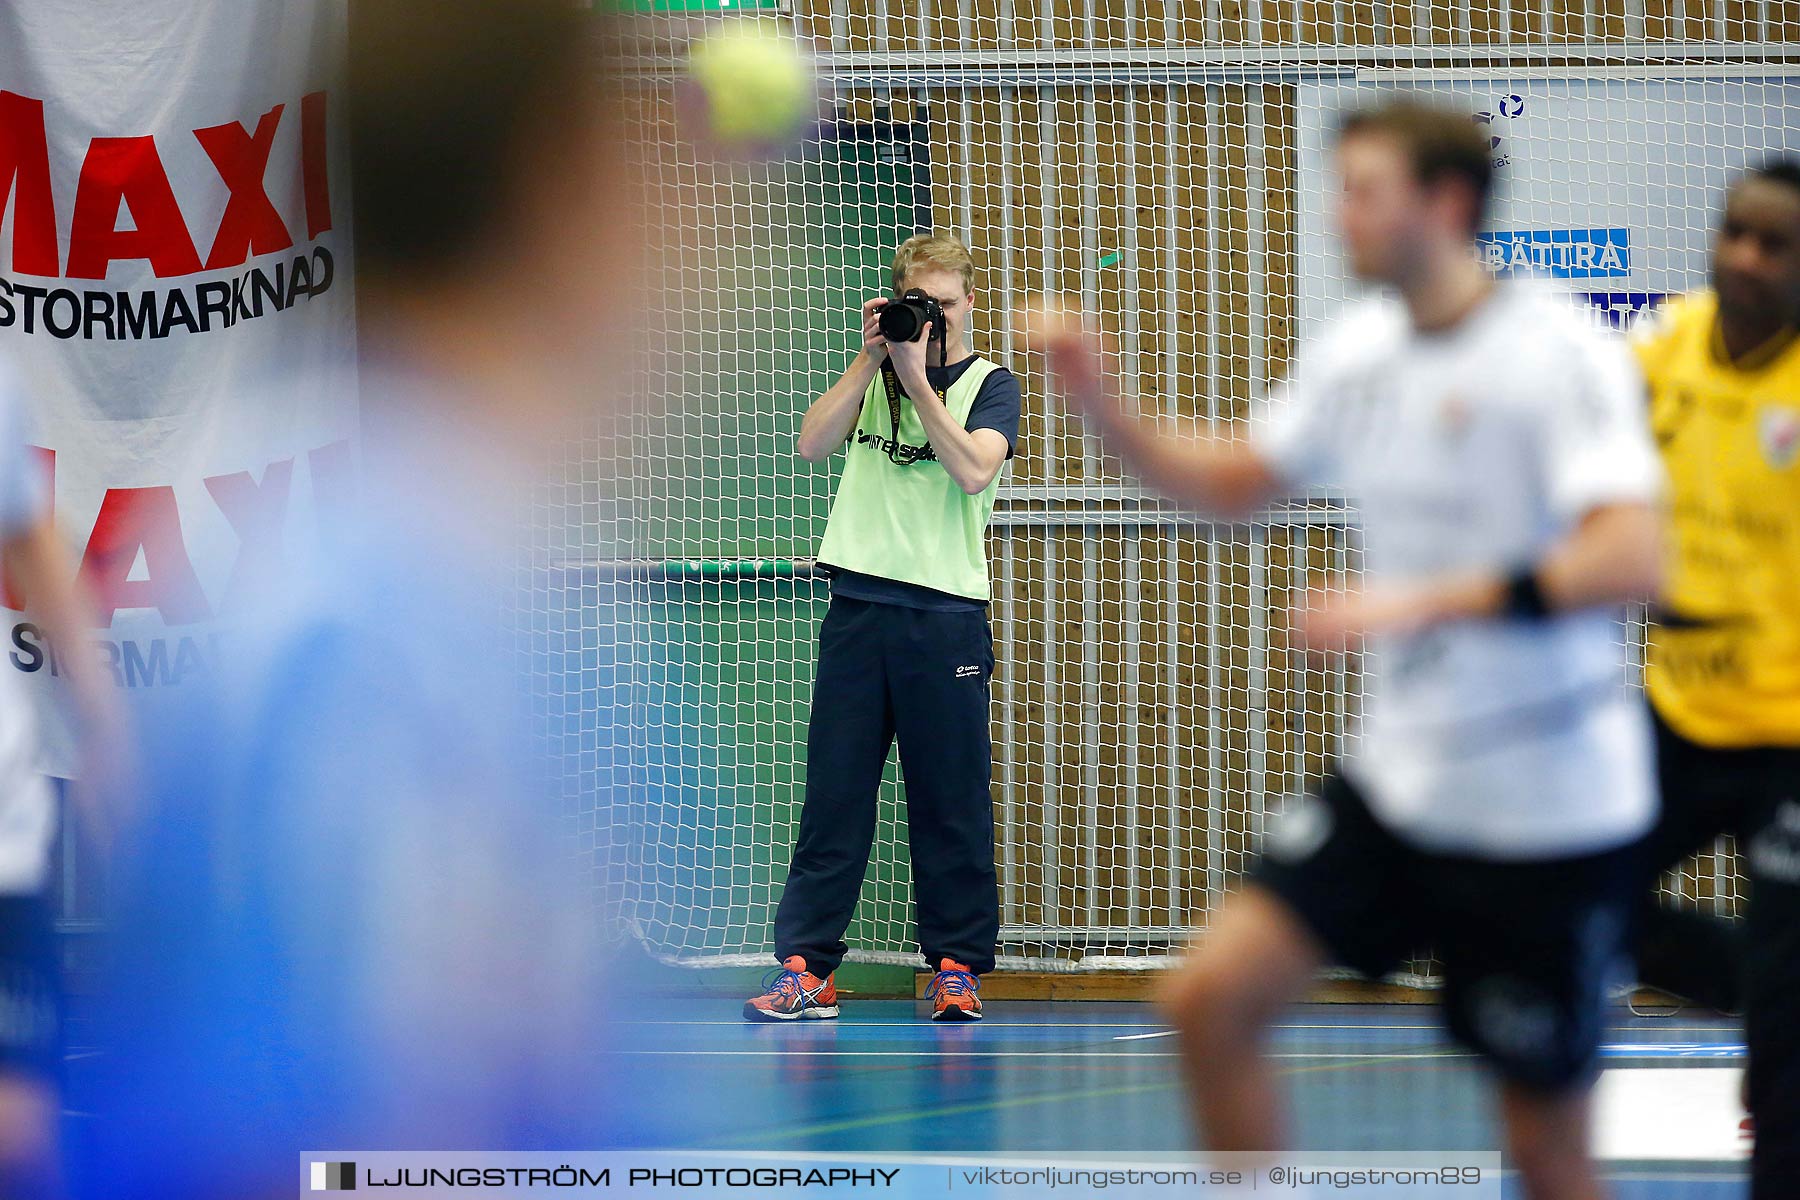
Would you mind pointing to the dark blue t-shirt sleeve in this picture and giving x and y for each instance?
(997, 407)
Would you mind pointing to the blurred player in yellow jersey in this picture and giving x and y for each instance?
(1723, 673)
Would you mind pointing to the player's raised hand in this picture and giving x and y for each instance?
(1210, 474)
(1072, 348)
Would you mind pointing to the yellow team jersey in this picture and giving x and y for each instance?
(1724, 661)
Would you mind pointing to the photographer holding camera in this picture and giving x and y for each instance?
(905, 649)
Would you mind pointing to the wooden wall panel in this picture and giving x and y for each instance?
(1150, 701)
(1048, 27)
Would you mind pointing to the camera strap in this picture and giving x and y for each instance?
(890, 382)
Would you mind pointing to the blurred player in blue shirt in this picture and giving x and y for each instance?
(39, 570)
(348, 919)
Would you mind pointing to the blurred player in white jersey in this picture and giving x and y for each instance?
(1490, 801)
(39, 569)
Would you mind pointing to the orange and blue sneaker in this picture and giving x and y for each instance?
(955, 989)
(793, 993)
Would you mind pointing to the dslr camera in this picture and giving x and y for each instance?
(903, 320)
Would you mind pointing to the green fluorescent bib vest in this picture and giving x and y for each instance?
(911, 523)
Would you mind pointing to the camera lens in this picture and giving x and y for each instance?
(902, 320)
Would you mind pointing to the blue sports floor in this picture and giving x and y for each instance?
(1070, 1076)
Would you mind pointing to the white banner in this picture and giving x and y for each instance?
(176, 282)
(1609, 184)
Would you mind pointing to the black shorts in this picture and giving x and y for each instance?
(31, 995)
(1754, 795)
(1709, 792)
(1528, 948)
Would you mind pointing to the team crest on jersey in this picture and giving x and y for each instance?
(1778, 429)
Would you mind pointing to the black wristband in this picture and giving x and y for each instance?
(1525, 600)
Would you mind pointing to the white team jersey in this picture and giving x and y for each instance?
(27, 808)
(1481, 447)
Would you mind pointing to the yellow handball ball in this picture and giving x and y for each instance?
(751, 87)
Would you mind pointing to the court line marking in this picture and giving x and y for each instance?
(1613, 1050)
(956, 1110)
(1618, 1049)
(801, 1051)
(1339, 1026)
(1636, 1174)
(1097, 1026)
(915, 1114)
(1039, 1024)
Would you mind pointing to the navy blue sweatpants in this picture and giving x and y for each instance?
(887, 671)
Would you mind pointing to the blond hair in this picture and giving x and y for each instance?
(942, 251)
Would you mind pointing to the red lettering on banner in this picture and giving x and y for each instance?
(250, 224)
(147, 520)
(141, 519)
(127, 170)
(256, 514)
(25, 181)
(312, 163)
